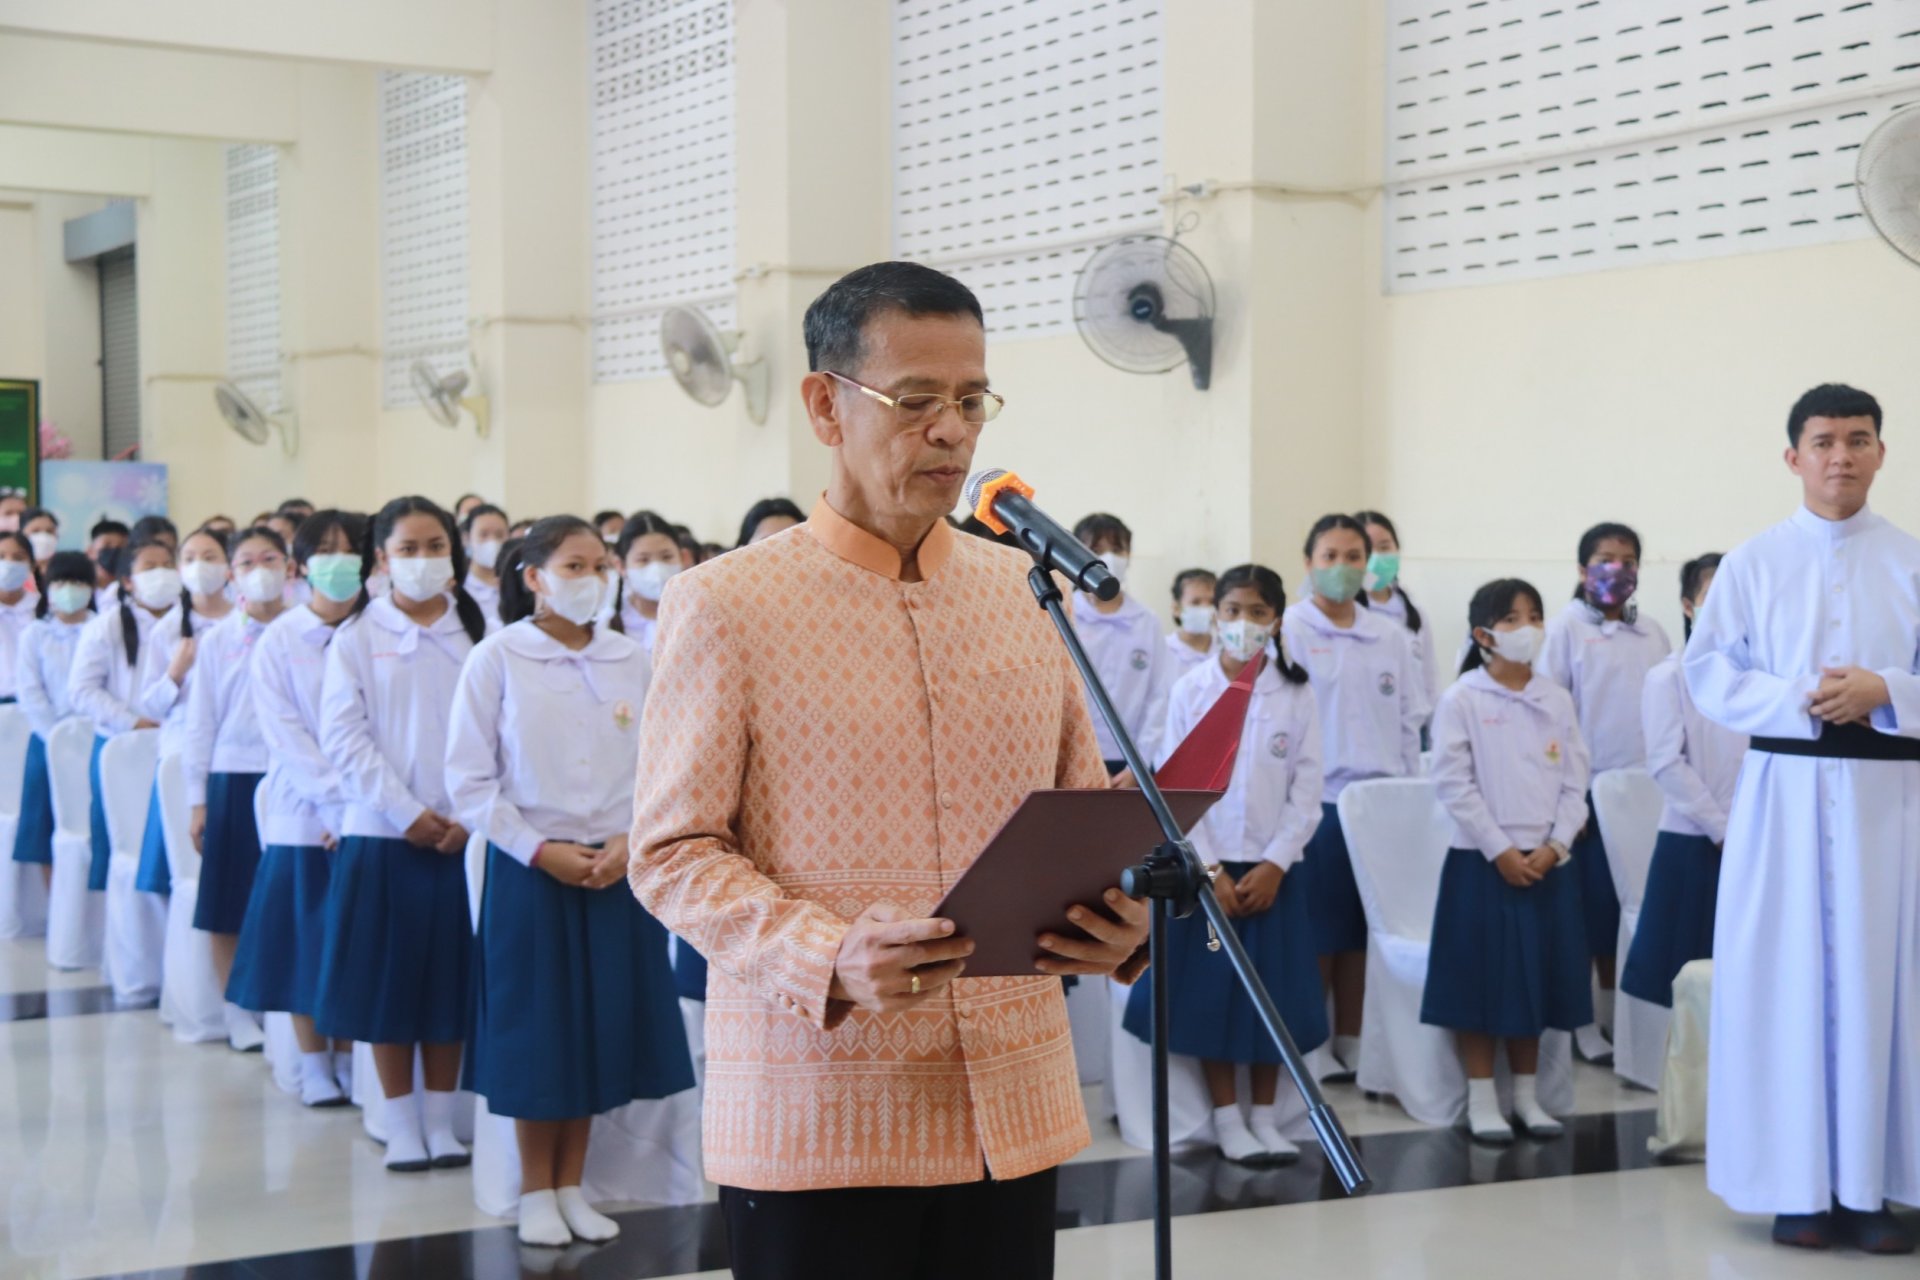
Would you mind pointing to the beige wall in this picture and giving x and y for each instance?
(50, 327)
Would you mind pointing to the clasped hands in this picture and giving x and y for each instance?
(1524, 870)
(889, 961)
(1848, 695)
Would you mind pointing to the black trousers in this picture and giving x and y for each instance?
(969, 1231)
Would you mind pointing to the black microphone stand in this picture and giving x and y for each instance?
(1176, 881)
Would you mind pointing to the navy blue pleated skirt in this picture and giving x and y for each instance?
(574, 1011)
(97, 824)
(277, 966)
(1676, 916)
(229, 853)
(33, 838)
(1506, 962)
(1333, 899)
(154, 875)
(1598, 902)
(689, 971)
(1211, 1016)
(398, 946)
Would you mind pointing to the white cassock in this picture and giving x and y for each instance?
(1814, 1083)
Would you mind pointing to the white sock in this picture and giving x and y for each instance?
(243, 1033)
(406, 1148)
(1264, 1124)
(1603, 1010)
(1533, 1117)
(1230, 1131)
(343, 1070)
(318, 1088)
(437, 1114)
(583, 1219)
(1483, 1112)
(1347, 1049)
(540, 1221)
(1592, 1044)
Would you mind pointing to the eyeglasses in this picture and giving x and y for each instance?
(917, 412)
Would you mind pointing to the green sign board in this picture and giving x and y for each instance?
(20, 438)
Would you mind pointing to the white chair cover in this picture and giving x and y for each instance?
(23, 886)
(1628, 803)
(1682, 1118)
(192, 1000)
(1398, 835)
(136, 921)
(76, 918)
(643, 1153)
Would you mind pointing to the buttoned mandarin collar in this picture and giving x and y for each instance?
(1834, 530)
(848, 541)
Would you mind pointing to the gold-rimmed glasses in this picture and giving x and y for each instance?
(921, 410)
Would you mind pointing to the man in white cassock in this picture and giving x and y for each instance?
(1810, 642)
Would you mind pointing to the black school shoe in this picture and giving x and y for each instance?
(1878, 1232)
(1804, 1230)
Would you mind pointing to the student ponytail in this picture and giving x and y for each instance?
(1490, 604)
(65, 566)
(1274, 592)
(1690, 575)
(516, 602)
(465, 607)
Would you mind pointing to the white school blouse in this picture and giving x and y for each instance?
(488, 598)
(1695, 761)
(383, 715)
(1272, 805)
(302, 800)
(1130, 659)
(103, 683)
(222, 733)
(1509, 766)
(641, 630)
(1368, 690)
(545, 739)
(1604, 665)
(41, 671)
(161, 698)
(1424, 658)
(1181, 660)
(15, 618)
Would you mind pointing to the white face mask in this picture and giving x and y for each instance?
(486, 553)
(1521, 645)
(44, 544)
(1117, 565)
(203, 577)
(263, 584)
(69, 597)
(1242, 639)
(649, 581)
(421, 577)
(1197, 620)
(13, 575)
(157, 588)
(578, 600)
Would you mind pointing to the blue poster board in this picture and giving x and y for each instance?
(83, 493)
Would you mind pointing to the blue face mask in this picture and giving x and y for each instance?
(334, 577)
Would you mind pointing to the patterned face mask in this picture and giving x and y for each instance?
(1611, 585)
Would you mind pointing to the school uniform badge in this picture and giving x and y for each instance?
(1140, 660)
(623, 715)
(1387, 685)
(1553, 752)
(1279, 745)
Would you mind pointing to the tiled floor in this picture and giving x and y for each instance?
(125, 1152)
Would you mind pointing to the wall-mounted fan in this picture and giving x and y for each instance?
(1888, 179)
(251, 422)
(444, 398)
(702, 361)
(1145, 304)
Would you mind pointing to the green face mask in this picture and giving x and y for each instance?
(1338, 582)
(1383, 570)
(336, 577)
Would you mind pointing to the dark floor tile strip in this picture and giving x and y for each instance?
(65, 1002)
(657, 1243)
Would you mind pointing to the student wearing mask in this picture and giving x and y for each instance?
(575, 1012)
(19, 595)
(13, 505)
(1367, 684)
(42, 671)
(484, 531)
(1509, 961)
(609, 522)
(1387, 598)
(42, 529)
(768, 517)
(166, 665)
(1191, 643)
(105, 541)
(649, 557)
(1252, 840)
(394, 968)
(276, 968)
(224, 756)
(1122, 639)
(1600, 650)
(106, 667)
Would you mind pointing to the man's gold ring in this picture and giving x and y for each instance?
(915, 988)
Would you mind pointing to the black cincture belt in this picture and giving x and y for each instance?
(1844, 742)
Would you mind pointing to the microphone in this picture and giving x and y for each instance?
(1003, 502)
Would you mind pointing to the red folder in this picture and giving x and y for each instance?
(1065, 847)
